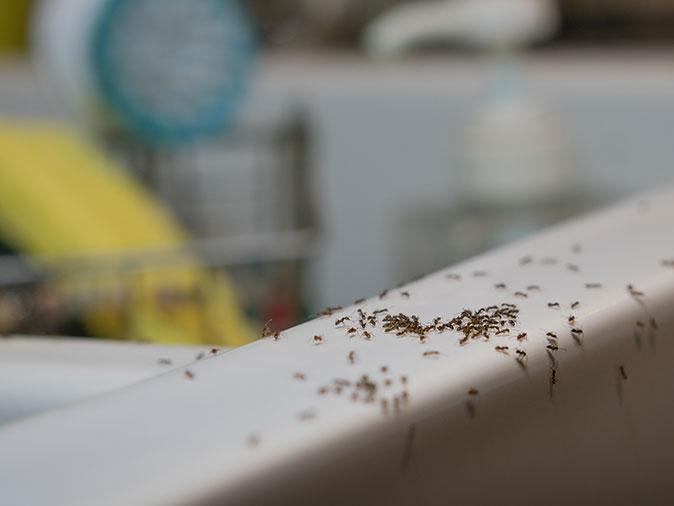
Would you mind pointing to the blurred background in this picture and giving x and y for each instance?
(177, 171)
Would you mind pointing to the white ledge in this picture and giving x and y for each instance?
(235, 433)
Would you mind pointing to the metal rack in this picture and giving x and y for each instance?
(246, 202)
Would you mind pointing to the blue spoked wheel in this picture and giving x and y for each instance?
(172, 70)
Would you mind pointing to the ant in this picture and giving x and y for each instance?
(306, 415)
(189, 374)
(317, 339)
(351, 331)
(351, 357)
(359, 301)
(164, 361)
(634, 292)
(383, 369)
(575, 304)
(576, 331)
(253, 440)
(552, 347)
(551, 334)
(533, 288)
(339, 321)
(267, 331)
(573, 267)
(473, 391)
(431, 353)
(502, 349)
(571, 319)
(499, 286)
(453, 276)
(521, 294)
(470, 407)
(526, 260)
(593, 285)
(623, 374)
(328, 311)
(405, 294)
(383, 294)
(522, 336)
(299, 376)
(554, 305)
(367, 335)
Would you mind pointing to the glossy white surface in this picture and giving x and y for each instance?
(175, 440)
(39, 374)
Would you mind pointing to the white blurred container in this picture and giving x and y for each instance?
(514, 148)
(516, 171)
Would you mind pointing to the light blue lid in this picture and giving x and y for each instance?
(172, 70)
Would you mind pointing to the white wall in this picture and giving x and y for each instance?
(387, 134)
(387, 138)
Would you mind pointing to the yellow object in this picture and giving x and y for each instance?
(61, 199)
(13, 24)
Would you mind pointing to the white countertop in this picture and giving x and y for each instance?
(245, 430)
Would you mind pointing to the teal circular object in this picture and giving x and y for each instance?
(172, 70)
